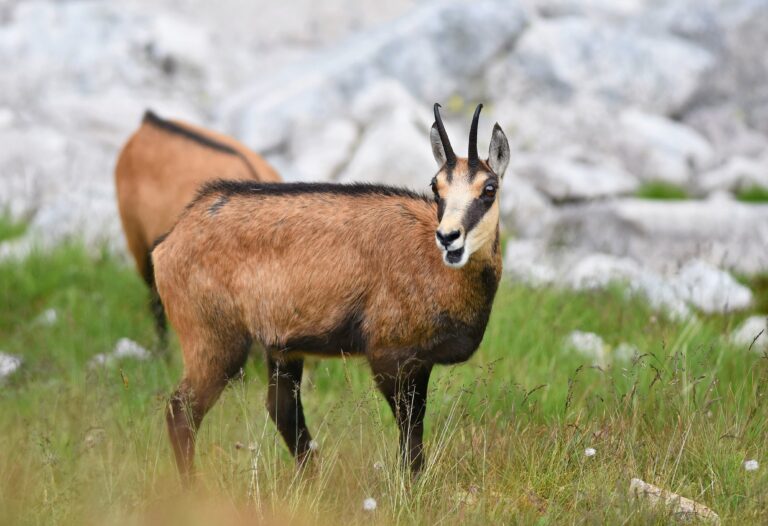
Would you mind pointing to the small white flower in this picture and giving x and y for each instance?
(590, 452)
(378, 466)
(313, 445)
(369, 504)
(751, 465)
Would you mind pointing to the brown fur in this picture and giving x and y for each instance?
(159, 172)
(321, 270)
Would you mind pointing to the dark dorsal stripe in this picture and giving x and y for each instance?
(152, 118)
(256, 189)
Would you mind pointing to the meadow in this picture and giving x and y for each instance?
(506, 432)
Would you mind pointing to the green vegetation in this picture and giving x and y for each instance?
(661, 190)
(506, 432)
(753, 194)
(9, 228)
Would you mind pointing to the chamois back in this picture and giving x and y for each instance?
(159, 171)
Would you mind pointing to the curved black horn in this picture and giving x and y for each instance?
(450, 157)
(473, 158)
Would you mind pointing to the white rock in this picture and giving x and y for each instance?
(573, 54)
(681, 507)
(660, 149)
(526, 260)
(609, 9)
(738, 173)
(412, 166)
(589, 345)
(590, 452)
(569, 179)
(124, 348)
(726, 128)
(710, 289)
(379, 99)
(751, 465)
(48, 317)
(319, 150)
(597, 271)
(175, 42)
(369, 504)
(624, 352)
(662, 235)
(8, 365)
(524, 210)
(7, 117)
(127, 348)
(432, 51)
(753, 332)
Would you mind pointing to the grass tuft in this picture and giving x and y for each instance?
(753, 194)
(661, 190)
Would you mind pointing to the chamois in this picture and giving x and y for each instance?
(404, 279)
(159, 171)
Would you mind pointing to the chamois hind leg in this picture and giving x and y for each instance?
(156, 306)
(284, 405)
(405, 389)
(207, 370)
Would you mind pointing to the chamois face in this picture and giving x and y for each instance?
(467, 193)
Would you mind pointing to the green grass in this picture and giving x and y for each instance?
(661, 190)
(505, 432)
(9, 228)
(753, 194)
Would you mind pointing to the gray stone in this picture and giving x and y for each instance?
(588, 345)
(320, 150)
(752, 333)
(524, 210)
(393, 151)
(573, 178)
(433, 51)
(665, 234)
(710, 289)
(572, 54)
(660, 149)
(9, 364)
(738, 173)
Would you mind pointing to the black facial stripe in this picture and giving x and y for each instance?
(475, 213)
(440, 209)
(448, 173)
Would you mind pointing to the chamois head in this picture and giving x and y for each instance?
(466, 192)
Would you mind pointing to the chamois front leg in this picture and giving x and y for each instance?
(405, 389)
(284, 406)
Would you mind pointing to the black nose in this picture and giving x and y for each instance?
(447, 239)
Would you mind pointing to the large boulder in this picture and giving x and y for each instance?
(434, 51)
(736, 174)
(664, 234)
(393, 150)
(562, 56)
(574, 177)
(658, 148)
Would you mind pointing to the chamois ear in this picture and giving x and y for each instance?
(437, 145)
(498, 153)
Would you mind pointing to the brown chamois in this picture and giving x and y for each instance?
(158, 173)
(403, 279)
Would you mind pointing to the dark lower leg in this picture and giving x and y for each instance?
(406, 393)
(284, 406)
(161, 324)
(185, 412)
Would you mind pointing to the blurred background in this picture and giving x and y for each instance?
(638, 127)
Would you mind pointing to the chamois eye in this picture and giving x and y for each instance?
(489, 191)
(434, 188)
